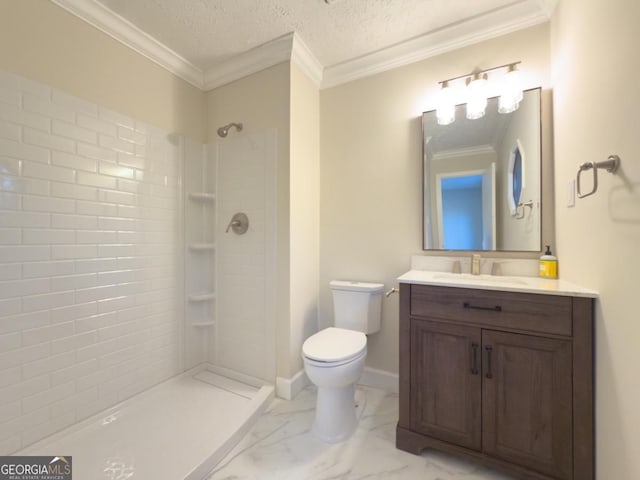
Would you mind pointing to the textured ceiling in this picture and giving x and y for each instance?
(207, 32)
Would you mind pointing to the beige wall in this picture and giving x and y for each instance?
(370, 190)
(41, 41)
(261, 102)
(282, 97)
(304, 188)
(520, 233)
(596, 73)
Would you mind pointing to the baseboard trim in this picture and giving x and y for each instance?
(288, 388)
(372, 377)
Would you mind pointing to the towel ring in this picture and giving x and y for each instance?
(611, 165)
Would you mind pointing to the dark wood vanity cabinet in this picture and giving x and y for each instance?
(446, 397)
(504, 378)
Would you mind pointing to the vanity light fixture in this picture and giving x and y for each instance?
(477, 84)
(476, 96)
(511, 95)
(446, 109)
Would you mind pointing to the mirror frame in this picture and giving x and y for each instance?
(541, 207)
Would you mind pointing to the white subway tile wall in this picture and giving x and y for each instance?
(89, 212)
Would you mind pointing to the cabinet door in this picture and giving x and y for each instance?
(526, 401)
(446, 382)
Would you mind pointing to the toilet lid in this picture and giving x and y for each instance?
(334, 344)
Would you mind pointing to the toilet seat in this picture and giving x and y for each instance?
(321, 364)
(334, 346)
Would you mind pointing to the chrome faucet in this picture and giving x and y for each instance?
(475, 264)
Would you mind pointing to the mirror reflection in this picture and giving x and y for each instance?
(482, 179)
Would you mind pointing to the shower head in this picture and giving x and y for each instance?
(223, 131)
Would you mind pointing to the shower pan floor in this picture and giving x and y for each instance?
(179, 429)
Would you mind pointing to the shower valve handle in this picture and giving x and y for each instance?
(232, 223)
(239, 224)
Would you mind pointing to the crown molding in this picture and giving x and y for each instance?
(511, 18)
(252, 61)
(290, 47)
(128, 34)
(304, 58)
(464, 152)
(285, 48)
(548, 6)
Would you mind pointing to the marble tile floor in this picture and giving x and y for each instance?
(281, 446)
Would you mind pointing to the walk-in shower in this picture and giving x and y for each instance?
(125, 329)
(223, 131)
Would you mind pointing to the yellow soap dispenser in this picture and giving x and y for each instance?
(548, 264)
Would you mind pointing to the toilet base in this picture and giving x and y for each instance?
(338, 411)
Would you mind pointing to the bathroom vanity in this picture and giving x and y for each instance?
(498, 370)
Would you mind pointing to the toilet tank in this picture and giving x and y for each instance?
(357, 305)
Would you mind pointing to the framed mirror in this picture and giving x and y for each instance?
(482, 179)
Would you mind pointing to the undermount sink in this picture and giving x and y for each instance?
(466, 277)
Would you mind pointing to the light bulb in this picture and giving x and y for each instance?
(446, 105)
(476, 96)
(511, 95)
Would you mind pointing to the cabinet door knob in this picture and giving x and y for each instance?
(474, 358)
(489, 350)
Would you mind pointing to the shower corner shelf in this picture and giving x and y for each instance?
(201, 297)
(202, 196)
(206, 323)
(201, 247)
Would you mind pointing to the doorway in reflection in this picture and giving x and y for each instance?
(466, 206)
(462, 212)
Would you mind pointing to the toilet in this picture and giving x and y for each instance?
(334, 357)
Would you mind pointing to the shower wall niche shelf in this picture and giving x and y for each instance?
(202, 196)
(200, 253)
(203, 324)
(202, 247)
(202, 297)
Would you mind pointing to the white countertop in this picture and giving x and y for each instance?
(503, 283)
